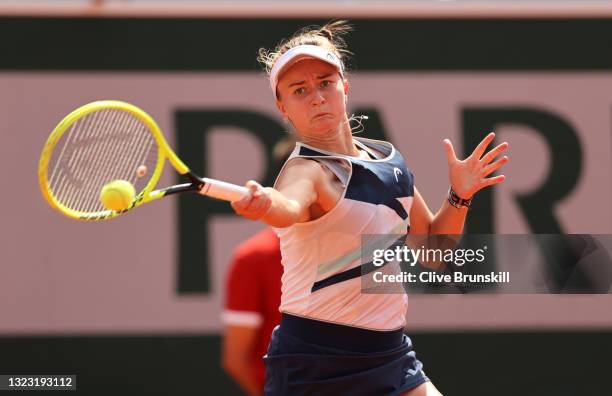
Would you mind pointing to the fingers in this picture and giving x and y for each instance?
(450, 151)
(259, 204)
(487, 170)
(482, 146)
(241, 205)
(494, 153)
(254, 188)
(245, 202)
(256, 204)
(493, 180)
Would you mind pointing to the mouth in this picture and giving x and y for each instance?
(321, 115)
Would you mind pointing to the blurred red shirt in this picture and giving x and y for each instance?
(253, 292)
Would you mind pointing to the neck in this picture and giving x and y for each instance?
(339, 140)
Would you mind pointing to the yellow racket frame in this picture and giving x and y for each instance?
(146, 195)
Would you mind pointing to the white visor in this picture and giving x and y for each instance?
(299, 52)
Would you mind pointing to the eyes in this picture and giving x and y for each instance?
(301, 91)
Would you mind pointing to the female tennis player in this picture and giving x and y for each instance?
(333, 339)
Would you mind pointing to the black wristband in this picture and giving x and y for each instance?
(457, 201)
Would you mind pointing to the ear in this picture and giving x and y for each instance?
(346, 86)
(281, 107)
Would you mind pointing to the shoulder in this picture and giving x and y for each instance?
(300, 168)
(302, 164)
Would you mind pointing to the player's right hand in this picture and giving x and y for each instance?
(256, 204)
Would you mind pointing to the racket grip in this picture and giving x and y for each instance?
(222, 190)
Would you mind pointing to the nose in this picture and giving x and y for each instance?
(317, 98)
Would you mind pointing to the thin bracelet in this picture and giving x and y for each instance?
(457, 201)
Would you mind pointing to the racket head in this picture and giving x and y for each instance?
(95, 144)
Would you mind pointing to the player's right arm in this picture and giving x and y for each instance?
(288, 203)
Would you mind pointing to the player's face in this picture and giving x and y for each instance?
(313, 96)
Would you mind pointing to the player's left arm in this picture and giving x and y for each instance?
(466, 177)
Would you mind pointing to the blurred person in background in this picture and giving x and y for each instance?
(252, 298)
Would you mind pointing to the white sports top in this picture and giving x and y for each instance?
(322, 258)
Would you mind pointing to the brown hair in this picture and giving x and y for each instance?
(329, 36)
(282, 150)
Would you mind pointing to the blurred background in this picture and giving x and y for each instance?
(133, 306)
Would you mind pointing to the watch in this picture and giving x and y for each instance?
(457, 201)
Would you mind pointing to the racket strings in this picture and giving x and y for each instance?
(115, 155)
(81, 153)
(65, 178)
(86, 199)
(84, 148)
(80, 149)
(122, 122)
(96, 149)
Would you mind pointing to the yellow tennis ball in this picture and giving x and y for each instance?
(117, 195)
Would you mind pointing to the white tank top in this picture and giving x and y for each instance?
(322, 258)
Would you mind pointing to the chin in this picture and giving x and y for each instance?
(324, 125)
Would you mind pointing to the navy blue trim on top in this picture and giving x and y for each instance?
(379, 182)
(375, 183)
(310, 152)
(356, 272)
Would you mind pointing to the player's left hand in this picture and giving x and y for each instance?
(468, 176)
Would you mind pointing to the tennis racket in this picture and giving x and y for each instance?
(111, 140)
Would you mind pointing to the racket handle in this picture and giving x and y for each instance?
(222, 190)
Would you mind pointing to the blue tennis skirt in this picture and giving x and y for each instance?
(311, 357)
